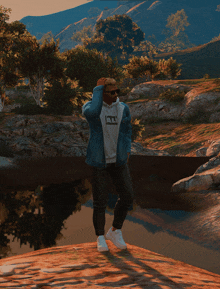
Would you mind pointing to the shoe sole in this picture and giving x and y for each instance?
(103, 250)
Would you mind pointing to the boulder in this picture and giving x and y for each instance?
(211, 151)
(208, 103)
(26, 136)
(6, 162)
(53, 152)
(206, 178)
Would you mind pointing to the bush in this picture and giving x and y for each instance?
(63, 96)
(29, 109)
(172, 95)
(137, 129)
(216, 81)
(206, 76)
(164, 69)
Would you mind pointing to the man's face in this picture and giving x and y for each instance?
(107, 94)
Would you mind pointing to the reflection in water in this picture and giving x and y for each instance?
(37, 217)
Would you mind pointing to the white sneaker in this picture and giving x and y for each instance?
(116, 238)
(101, 244)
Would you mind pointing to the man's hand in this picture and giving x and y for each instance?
(101, 81)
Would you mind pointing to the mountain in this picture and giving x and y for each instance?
(196, 61)
(151, 16)
(39, 25)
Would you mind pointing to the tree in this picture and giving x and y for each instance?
(176, 22)
(86, 32)
(88, 65)
(177, 38)
(40, 64)
(115, 36)
(14, 38)
(47, 36)
(94, 11)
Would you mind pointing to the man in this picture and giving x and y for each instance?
(108, 153)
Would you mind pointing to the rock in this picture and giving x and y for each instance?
(201, 152)
(6, 162)
(12, 94)
(26, 136)
(215, 117)
(138, 149)
(213, 149)
(76, 265)
(206, 178)
(208, 102)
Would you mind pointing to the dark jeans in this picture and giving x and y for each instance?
(100, 189)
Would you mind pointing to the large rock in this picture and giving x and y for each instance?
(53, 152)
(27, 136)
(208, 103)
(206, 178)
(30, 139)
(211, 151)
(55, 267)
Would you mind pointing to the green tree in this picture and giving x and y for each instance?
(14, 39)
(176, 22)
(40, 64)
(87, 66)
(62, 96)
(47, 36)
(115, 36)
(177, 38)
(94, 11)
(86, 32)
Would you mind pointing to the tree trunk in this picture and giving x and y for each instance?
(37, 91)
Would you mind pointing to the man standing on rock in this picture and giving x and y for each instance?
(108, 153)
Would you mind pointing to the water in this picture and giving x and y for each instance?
(60, 215)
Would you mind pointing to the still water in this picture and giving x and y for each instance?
(59, 215)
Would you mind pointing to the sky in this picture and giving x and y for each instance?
(22, 8)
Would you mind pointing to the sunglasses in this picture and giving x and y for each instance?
(113, 91)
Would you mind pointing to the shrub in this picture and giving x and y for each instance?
(137, 129)
(206, 76)
(140, 66)
(63, 96)
(172, 95)
(216, 81)
(29, 109)
(164, 69)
